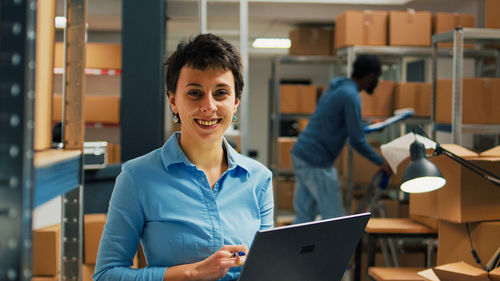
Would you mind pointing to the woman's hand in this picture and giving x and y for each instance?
(212, 268)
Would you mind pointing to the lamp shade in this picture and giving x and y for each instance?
(421, 175)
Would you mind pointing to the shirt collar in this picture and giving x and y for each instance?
(172, 155)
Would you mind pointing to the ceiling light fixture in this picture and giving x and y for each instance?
(347, 2)
(350, 2)
(60, 22)
(276, 43)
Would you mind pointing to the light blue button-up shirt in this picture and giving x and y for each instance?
(164, 201)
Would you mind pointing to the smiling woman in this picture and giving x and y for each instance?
(204, 102)
(194, 202)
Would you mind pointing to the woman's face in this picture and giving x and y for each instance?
(205, 101)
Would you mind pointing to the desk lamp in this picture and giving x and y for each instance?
(422, 175)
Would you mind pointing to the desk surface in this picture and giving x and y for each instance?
(397, 226)
(396, 273)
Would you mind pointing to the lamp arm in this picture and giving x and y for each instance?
(468, 164)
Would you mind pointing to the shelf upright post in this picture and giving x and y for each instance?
(202, 17)
(275, 129)
(434, 87)
(17, 81)
(497, 60)
(244, 108)
(458, 58)
(73, 131)
(351, 56)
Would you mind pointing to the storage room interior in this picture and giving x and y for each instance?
(449, 234)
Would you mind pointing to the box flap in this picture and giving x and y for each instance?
(428, 274)
(495, 274)
(492, 152)
(460, 271)
(460, 151)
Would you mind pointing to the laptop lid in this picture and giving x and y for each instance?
(318, 250)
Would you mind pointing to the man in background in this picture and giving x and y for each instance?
(337, 118)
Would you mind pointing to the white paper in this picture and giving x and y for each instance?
(398, 149)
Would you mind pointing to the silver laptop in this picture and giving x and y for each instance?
(314, 251)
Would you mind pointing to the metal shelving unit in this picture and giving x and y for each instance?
(460, 36)
(394, 56)
(274, 109)
(17, 80)
(29, 178)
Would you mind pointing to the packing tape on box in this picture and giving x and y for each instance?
(411, 14)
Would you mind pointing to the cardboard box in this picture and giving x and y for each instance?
(467, 197)
(492, 20)
(492, 152)
(427, 221)
(495, 274)
(321, 90)
(46, 250)
(285, 145)
(44, 73)
(393, 208)
(92, 232)
(117, 150)
(480, 101)
(361, 28)
(297, 98)
(428, 274)
(454, 243)
(302, 124)
(98, 55)
(409, 28)
(381, 103)
(310, 41)
(285, 194)
(45, 278)
(141, 258)
(364, 170)
(87, 271)
(416, 95)
(444, 22)
(460, 271)
(406, 259)
(98, 109)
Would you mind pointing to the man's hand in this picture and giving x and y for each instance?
(386, 167)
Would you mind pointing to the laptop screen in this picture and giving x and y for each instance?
(318, 250)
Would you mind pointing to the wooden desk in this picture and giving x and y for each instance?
(397, 226)
(396, 273)
(389, 228)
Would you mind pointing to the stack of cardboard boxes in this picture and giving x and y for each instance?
(46, 253)
(46, 249)
(377, 28)
(480, 101)
(466, 210)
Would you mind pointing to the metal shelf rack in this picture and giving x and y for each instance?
(275, 116)
(459, 36)
(17, 81)
(29, 178)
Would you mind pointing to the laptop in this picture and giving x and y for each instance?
(313, 251)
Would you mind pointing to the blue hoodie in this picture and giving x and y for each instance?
(337, 117)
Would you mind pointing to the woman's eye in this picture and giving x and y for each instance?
(221, 93)
(194, 93)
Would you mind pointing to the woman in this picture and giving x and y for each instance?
(195, 203)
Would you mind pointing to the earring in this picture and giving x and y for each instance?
(176, 118)
(235, 118)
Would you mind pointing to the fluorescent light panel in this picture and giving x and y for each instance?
(350, 2)
(60, 22)
(276, 43)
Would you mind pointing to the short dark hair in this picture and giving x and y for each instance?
(202, 52)
(364, 65)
